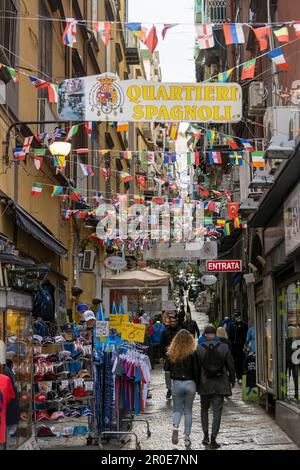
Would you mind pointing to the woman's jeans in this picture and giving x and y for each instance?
(184, 392)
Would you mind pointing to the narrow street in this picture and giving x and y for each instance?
(245, 426)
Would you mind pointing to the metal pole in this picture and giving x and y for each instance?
(275, 80)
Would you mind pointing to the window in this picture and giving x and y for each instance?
(8, 30)
(45, 42)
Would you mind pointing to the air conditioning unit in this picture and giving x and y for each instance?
(88, 261)
(278, 126)
(257, 104)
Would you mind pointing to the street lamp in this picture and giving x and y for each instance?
(60, 148)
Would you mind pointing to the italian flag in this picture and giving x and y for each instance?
(52, 93)
(73, 131)
(37, 189)
(248, 69)
(13, 73)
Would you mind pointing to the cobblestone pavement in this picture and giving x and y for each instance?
(245, 426)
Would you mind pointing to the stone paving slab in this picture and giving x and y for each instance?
(245, 425)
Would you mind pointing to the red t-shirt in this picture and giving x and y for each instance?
(6, 394)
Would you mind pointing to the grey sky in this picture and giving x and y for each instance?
(176, 51)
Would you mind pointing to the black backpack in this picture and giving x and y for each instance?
(213, 361)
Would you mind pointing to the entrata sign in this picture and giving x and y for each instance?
(106, 98)
(232, 266)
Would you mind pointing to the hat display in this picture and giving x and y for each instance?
(89, 315)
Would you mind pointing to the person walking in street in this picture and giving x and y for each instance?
(237, 336)
(222, 334)
(182, 362)
(166, 339)
(181, 316)
(216, 375)
(191, 326)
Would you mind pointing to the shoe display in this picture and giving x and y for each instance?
(175, 436)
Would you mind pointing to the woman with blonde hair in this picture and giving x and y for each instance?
(222, 334)
(182, 362)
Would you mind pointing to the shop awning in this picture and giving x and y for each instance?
(138, 278)
(30, 225)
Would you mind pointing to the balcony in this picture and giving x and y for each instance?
(133, 56)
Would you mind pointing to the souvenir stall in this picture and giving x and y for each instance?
(63, 383)
(126, 287)
(122, 372)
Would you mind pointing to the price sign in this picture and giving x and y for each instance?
(133, 333)
(102, 329)
(116, 321)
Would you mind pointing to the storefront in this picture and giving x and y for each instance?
(278, 302)
(16, 333)
(142, 288)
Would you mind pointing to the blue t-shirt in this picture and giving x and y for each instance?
(158, 329)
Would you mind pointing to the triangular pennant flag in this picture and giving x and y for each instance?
(103, 28)
(166, 27)
(152, 39)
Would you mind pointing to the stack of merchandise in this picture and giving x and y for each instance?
(63, 383)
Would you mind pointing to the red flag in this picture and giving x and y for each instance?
(233, 209)
(197, 158)
(166, 27)
(141, 181)
(263, 36)
(152, 39)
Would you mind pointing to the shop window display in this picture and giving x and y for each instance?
(290, 328)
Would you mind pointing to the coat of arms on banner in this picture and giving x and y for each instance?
(106, 96)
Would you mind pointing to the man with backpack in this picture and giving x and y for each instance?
(217, 373)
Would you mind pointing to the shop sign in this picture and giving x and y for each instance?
(208, 280)
(16, 300)
(106, 98)
(133, 333)
(115, 263)
(230, 266)
(116, 321)
(102, 329)
(182, 251)
(291, 217)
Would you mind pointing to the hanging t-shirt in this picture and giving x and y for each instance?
(6, 395)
